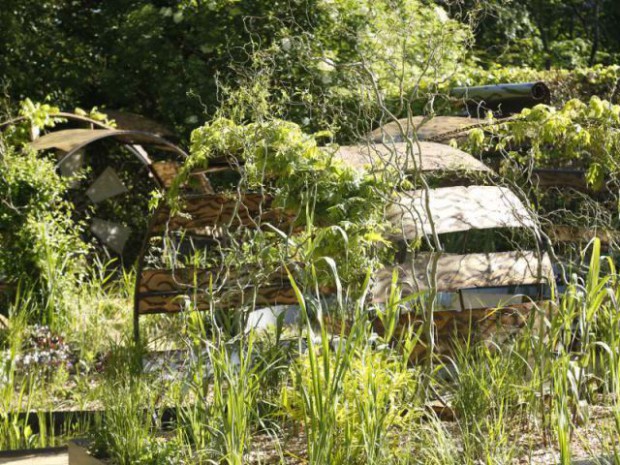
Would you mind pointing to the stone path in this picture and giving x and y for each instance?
(58, 458)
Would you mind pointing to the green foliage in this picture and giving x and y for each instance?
(40, 242)
(545, 33)
(320, 63)
(353, 397)
(314, 53)
(353, 54)
(579, 135)
(128, 431)
(340, 208)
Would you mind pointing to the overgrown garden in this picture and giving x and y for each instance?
(261, 95)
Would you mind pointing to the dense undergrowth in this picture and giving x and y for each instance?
(329, 398)
(318, 395)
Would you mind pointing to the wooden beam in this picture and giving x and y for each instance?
(211, 210)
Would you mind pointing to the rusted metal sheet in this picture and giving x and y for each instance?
(425, 156)
(439, 128)
(69, 139)
(211, 210)
(565, 233)
(134, 122)
(457, 208)
(479, 325)
(457, 272)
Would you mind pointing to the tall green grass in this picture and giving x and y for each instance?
(352, 396)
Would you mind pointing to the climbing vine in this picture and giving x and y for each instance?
(580, 135)
(338, 211)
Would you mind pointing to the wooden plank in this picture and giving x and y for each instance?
(79, 455)
(425, 156)
(184, 279)
(456, 272)
(474, 326)
(34, 457)
(202, 300)
(166, 171)
(440, 128)
(169, 291)
(456, 209)
(210, 210)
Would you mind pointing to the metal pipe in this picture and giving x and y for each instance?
(501, 98)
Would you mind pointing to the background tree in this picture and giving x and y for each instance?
(546, 33)
(168, 59)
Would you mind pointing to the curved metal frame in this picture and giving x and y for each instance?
(137, 148)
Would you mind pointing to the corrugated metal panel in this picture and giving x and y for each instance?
(427, 156)
(457, 208)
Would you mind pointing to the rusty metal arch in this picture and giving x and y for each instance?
(136, 149)
(159, 290)
(71, 141)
